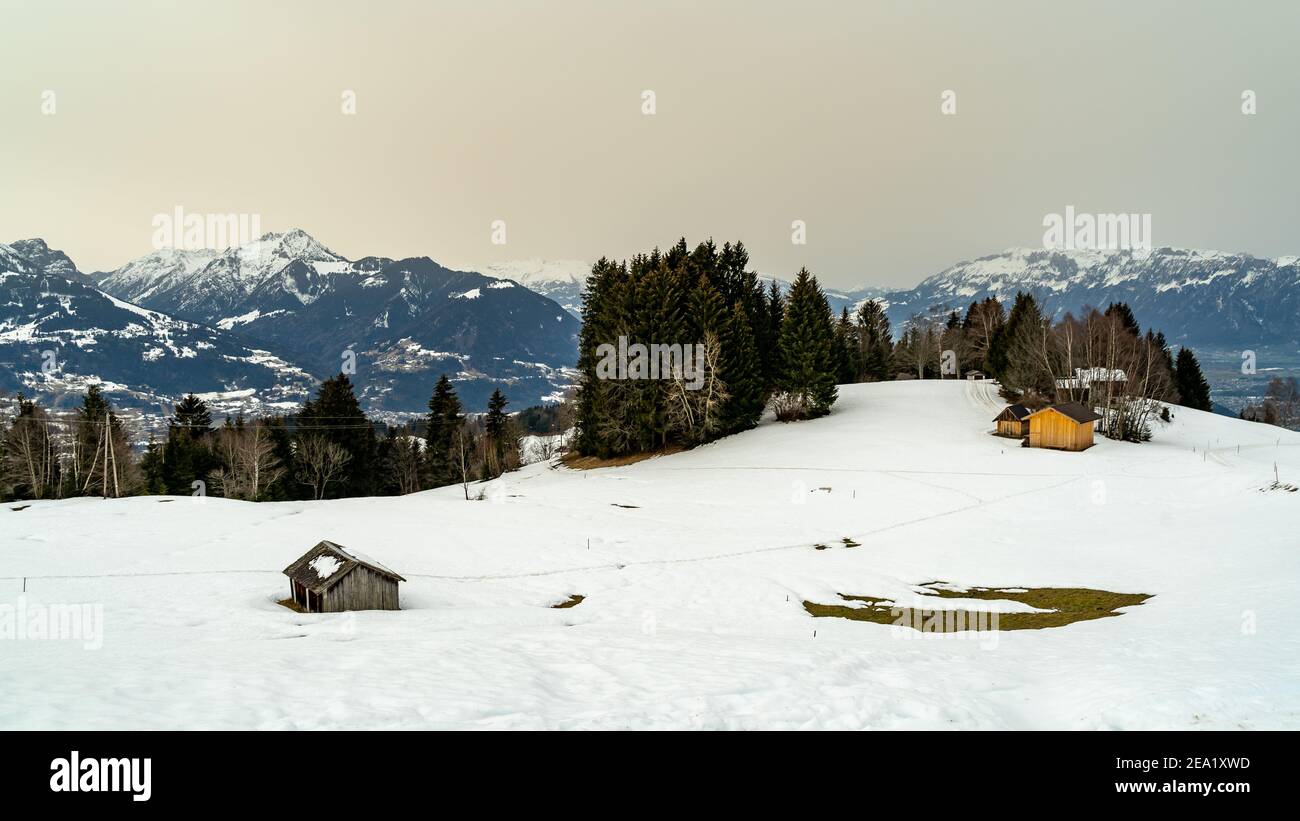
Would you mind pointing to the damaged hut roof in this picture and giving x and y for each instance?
(325, 564)
(1072, 410)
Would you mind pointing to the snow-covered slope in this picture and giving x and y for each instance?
(694, 568)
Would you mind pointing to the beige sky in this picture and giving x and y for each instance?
(530, 112)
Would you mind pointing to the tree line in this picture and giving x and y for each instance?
(752, 346)
(327, 449)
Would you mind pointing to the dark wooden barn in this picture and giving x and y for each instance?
(330, 579)
(1013, 421)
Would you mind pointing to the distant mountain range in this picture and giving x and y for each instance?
(561, 280)
(257, 325)
(1198, 298)
(394, 325)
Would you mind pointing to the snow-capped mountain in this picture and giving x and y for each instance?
(58, 335)
(398, 323)
(1208, 298)
(274, 271)
(561, 280)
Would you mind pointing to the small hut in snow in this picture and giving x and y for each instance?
(1064, 427)
(1013, 421)
(331, 579)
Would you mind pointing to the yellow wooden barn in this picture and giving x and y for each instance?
(1066, 426)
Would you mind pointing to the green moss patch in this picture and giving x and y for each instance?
(1065, 605)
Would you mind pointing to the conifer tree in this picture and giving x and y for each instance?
(151, 468)
(770, 337)
(445, 419)
(742, 373)
(1124, 313)
(875, 342)
(496, 439)
(845, 348)
(1189, 381)
(807, 381)
(187, 455)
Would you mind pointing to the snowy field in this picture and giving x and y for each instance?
(694, 568)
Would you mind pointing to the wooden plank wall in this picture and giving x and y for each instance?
(362, 589)
(1055, 430)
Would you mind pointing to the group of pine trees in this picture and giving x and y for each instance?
(754, 346)
(328, 449)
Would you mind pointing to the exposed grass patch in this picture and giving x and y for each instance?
(1066, 605)
(292, 605)
(1266, 488)
(573, 601)
(20, 507)
(576, 462)
(844, 542)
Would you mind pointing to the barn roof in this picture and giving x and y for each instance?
(1017, 413)
(324, 565)
(1073, 411)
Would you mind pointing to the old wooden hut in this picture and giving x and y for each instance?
(330, 579)
(1067, 426)
(1013, 421)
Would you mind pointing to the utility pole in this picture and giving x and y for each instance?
(103, 486)
(112, 452)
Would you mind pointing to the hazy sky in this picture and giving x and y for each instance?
(531, 112)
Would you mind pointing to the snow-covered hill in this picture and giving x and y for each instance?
(694, 568)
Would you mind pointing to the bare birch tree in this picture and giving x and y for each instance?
(319, 462)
